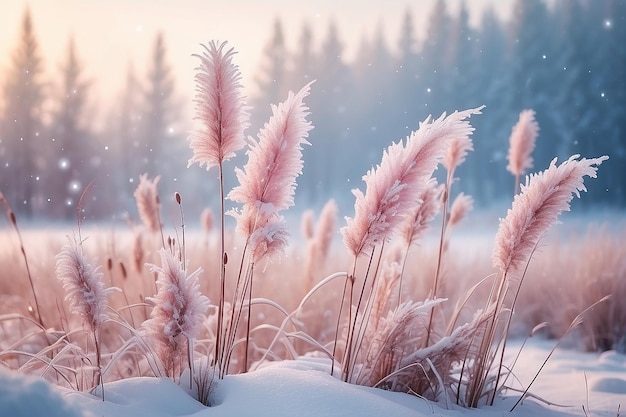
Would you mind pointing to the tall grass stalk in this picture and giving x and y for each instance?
(522, 143)
(13, 220)
(221, 110)
(542, 199)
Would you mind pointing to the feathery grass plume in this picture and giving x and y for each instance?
(391, 191)
(267, 186)
(457, 152)
(148, 204)
(393, 186)
(542, 199)
(221, 109)
(219, 106)
(85, 292)
(268, 180)
(178, 313)
(522, 143)
(418, 220)
(306, 224)
(138, 250)
(461, 205)
(325, 230)
(535, 209)
(206, 220)
(269, 239)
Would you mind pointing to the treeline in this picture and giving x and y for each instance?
(565, 61)
(56, 158)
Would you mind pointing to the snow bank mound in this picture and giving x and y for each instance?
(29, 396)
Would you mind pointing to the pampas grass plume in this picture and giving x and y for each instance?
(219, 106)
(325, 229)
(179, 308)
(542, 199)
(461, 205)
(306, 224)
(206, 220)
(268, 180)
(147, 198)
(418, 220)
(393, 187)
(84, 289)
(522, 143)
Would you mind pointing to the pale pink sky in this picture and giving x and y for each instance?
(110, 33)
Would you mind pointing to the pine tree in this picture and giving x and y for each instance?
(23, 163)
(330, 97)
(610, 70)
(408, 89)
(436, 58)
(120, 169)
(157, 115)
(494, 126)
(304, 59)
(271, 78)
(73, 143)
(533, 66)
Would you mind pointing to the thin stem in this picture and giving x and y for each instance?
(98, 361)
(245, 361)
(219, 350)
(182, 226)
(406, 255)
(343, 296)
(444, 223)
(13, 219)
(190, 360)
(360, 334)
(232, 328)
(350, 337)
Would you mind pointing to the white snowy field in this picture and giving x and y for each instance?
(574, 383)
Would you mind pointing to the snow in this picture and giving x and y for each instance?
(304, 388)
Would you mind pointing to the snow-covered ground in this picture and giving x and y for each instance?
(570, 379)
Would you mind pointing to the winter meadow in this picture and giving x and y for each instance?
(387, 235)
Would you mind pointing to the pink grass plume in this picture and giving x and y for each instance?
(268, 239)
(219, 106)
(179, 309)
(461, 205)
(536, 209)
(268, 180)
(457, 152)
(419, 218)
(393, 187)
(147, 199)
(85, 292)
(522, 143)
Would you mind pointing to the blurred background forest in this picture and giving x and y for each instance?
(565, 59)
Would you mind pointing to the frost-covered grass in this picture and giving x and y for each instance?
(207, 316)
